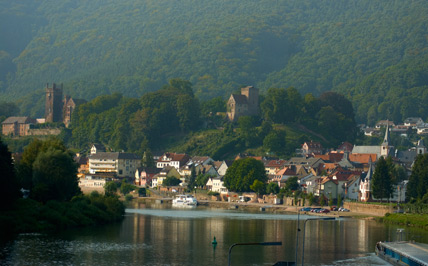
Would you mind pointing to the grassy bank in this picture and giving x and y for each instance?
(31, 216)
(408, 219)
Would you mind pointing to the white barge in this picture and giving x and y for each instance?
(403, 253)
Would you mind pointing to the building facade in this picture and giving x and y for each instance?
(120, 163)
(246, 103)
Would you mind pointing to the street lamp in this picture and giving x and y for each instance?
(297, 234)
(253, 244)
(304, 229)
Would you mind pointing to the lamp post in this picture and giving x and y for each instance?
(304, 229)
(253, 244)
(297, 235)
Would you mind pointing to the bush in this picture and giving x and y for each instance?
(213, 193)
(128, 197)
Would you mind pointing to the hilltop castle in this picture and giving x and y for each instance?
(246, 103)
(58, 109)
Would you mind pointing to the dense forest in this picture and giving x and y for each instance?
(373, 52)
(172, 118)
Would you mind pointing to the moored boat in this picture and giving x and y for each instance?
(184, 200)
(403, 253)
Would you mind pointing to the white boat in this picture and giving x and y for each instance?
(184, 200)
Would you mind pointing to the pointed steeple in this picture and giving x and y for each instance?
(386, 139)
(385, 144)
(370, 171)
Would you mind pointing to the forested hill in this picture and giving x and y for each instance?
(373, 52)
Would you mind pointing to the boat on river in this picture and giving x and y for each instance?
(403, 253)
(184, 200)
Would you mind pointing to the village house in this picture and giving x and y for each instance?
(413, 122)
(222, 166)
(97, 148)
(167, 171)
(17, 126)
(272, 166)
(120, 163)
(144, 175)
(218, 185)
(311, 147)
(172, 159)
(201, 160)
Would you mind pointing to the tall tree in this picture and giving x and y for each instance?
(242, 174)
(55, 176)
(9, 189)
(382, 185)
(418, 181)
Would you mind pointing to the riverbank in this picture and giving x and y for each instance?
(262, 207)
(29, 216)
(406, 219)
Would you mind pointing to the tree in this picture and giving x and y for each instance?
(242, 173)
(275, 142)
(292, 184)
(272, 188)
(330, 200)
(258, 187)
(110, 188)
(29, 156)
(192, 179)
(382, 185)
(9, 189)
(125, 187)
(54, 176)
(417, 187)
(202, 179)
(171, 181)
(147, 160)
(339, 200)
(322, 200)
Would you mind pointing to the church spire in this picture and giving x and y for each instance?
(385, 147)
(386, 139)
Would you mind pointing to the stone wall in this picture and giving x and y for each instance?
(44, 131)
(372, 209)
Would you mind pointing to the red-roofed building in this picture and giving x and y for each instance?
(272, 166)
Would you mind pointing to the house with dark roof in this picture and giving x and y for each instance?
(17, 125)
(246, 103)
(312, 147)
(97, 148)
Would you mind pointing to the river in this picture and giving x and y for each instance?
(160, 235)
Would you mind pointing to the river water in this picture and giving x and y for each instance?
(161, 235)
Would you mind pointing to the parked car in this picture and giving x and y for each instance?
(306, 209)
(324, 211)
(343, 210)
(333, 208)
(315, 209)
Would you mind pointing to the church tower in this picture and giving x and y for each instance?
(54, 105)
(421, 149)
(385, 147)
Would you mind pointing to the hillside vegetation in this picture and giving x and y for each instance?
(373, 52)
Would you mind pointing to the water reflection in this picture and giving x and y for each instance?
(159, 235)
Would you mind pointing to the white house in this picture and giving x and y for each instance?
(218, 185)
(176, 160)
(121, 163)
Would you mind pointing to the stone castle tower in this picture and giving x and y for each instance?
(54, 104)
(246, 103)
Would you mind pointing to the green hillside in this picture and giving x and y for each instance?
(373, 52)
